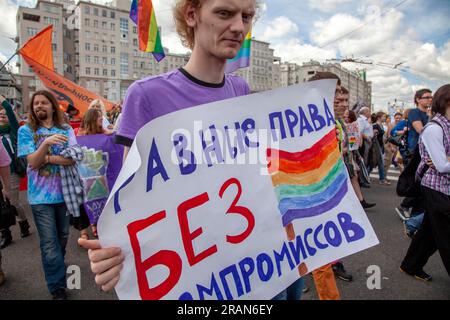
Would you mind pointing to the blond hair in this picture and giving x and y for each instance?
(98, 104)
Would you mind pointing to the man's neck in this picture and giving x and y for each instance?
(47, 123)
(205, 67)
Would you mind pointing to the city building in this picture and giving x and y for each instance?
(264, 68)
(355, 82)
(96, 46)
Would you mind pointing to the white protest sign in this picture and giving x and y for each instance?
(213, 204)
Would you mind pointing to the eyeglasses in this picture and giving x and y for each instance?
(428, 98)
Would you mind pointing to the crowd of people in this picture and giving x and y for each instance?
(367, 141)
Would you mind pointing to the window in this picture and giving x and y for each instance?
(104, 25)
(95, 11)
(88, 71)
(95, 59)
(104, 13)
(87, 10)
(142, 65)
(311, 72)
(135, 42)
(113, 73)
(105, 60)
(113, 49)
(96, 72)
(31, 17)
(95, 23)
(123, 25)
(134, 29)
(113, 26)
(87, 46)
(124, 64)
(96, 47)
(113, 61)
(87, 59)
(87, 34)
(50, 9)
(135, 64)
(104, 49)
(31, 31)
(52, 21)
(113, 15)
(105, 72)
(87, 22)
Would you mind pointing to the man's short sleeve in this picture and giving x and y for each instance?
(136, 113)
(414, 115)
(25, 144)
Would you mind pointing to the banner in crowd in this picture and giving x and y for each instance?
(354, 136)
(98, 171)
(235, 199)
(64, 89)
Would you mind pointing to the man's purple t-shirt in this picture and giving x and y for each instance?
(154, 97)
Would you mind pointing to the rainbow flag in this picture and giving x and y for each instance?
(142, 14)
(242, 59)
(308, 183)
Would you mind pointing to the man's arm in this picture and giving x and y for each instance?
(418, 126)
(38, 158)
(125, 153)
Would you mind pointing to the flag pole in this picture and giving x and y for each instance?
(8, 60)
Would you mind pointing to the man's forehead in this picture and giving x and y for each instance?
(235, 4)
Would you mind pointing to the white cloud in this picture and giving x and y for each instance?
(326, 5)
(279, 28)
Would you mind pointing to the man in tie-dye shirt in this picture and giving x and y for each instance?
(41, 142)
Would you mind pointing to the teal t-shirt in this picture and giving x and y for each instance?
(44, 185)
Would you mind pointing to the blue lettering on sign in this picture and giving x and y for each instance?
(262, 267)
(154, 158)
(117, 207)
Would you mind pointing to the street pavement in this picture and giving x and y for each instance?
(25, 278)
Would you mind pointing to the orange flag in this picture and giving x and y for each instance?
(39, 48)
(64, 89)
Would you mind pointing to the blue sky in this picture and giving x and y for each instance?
(416, 32)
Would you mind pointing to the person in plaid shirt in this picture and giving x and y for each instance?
(41, 141)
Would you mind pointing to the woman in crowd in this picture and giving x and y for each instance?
(99, 105)
(434, 233)
(9, 127)
(350, 119)
(92, 124)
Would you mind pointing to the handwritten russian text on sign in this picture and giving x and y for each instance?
(234, 199)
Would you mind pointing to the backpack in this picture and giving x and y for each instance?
(408, 183)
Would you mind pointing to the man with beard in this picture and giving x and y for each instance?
(41, 141)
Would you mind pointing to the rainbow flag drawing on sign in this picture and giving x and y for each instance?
(143, 15)
(242, 59)
(308, 183)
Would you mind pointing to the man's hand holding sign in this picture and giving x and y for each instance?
(200, 208)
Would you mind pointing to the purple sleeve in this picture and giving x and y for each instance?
(136, 113)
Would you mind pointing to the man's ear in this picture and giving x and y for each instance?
(190, 15)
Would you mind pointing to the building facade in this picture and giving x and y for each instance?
(360, 89)
(97, 47)
(264, 68)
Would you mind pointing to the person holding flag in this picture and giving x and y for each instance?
(215, 30)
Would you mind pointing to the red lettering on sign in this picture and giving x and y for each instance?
(187, 236)
(243, 211)
(167, 258)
